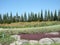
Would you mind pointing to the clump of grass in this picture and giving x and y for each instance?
(31, 30)
(6, 40)
(29, 24)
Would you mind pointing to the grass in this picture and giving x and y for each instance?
(29, 24)
(39, 44)
(31, 30)
(6, 40)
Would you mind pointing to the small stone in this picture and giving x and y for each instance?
(46, 41)
(33, 42)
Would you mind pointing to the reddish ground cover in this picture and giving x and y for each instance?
(38, 36)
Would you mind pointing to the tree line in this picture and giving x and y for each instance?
(40, 16)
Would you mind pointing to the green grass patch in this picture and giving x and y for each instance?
(29, 24)
(32, 30)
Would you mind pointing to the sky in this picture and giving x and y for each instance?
(22, 6)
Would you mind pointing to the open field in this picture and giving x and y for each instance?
(54, 28)
(29, 28)
(29, 24)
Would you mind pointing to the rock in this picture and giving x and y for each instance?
(0, 44)
(20, 42)
(33, 42)
(17, 37)
(16, 43)
(12, 43)
(46, 41)
(24, 41)
(53, 33)
(56, 40)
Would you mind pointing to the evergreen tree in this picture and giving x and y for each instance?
(41, 15)
(52, 17)
(8, 19)
(22, 18)
(29, 18)
(11, 18)
(1, 21)
(59, 15)
(35, 18)
(17, 19)
(25, 17)
(55, 16)
(39, 18)
(5, 18)
(14, 18)
(32, 16)
(45, 16)
(49, 15)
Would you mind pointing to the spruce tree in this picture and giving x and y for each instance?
(17, 19)
(14, 18)
(59, 15)
(8, 18)
(52, 17)
(11, 18)
(29, 18)
(21, 18)
(32, 16)
(36, 19)
(25, 17)
(49, 18)
(55, 16)
(45, 16)
(1, 21)
(41, 15)
(4, 18)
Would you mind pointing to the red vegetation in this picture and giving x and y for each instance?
(38, 36)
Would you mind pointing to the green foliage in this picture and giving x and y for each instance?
(29, 24)
(41, 15)
(6, 40)
(52, 17)
(59, 15)
(47, 16)
(25, 17)
(29, 18)
(31, 30)
(40, 44)
(35, 18)
(1, 19)
(55, 16)
(22, 18)
(11, 18)
(17, 18)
